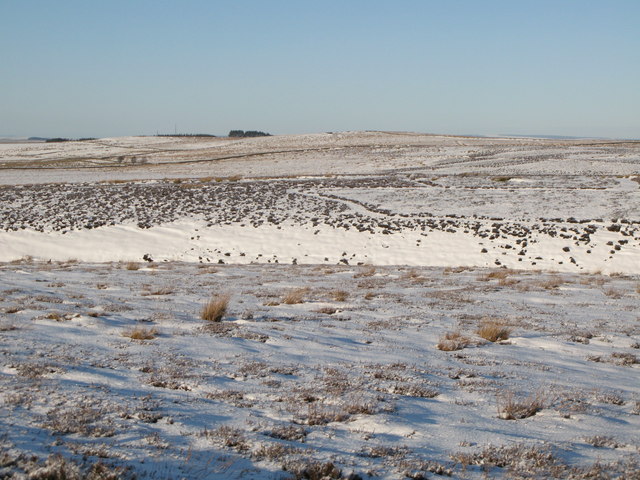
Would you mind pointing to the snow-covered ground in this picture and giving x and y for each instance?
(390, 241)
(351, 375)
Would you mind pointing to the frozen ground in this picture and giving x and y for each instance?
(400, 242)
(348, 373)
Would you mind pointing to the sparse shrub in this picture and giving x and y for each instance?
(453, 341)
(216, 308)
(339, 295)
(7, 327)
(229, 437)
(274, 451)
(36, 370)
(158, 291)
(83, 418)
(611, 398)
(613, 293)
(623, 358)
(56, 467)
(530, 459)
(140, 333)
(326, 310)
(288, 432)
(500, 274)
(383, 451)
(295, 296)
(512, 408)
(324, 414)
(507, 282)
(132, 266)
(220, 329)
(493, 331)
(551, 283)
(309, 469)
(368, 271)
(603, 441)
(410, 390)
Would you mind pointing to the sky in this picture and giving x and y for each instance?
(137, 67)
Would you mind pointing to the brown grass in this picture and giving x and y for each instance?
(295, 296)
(551, 283)
(512, 408)
(158, 291)
(132, 266)
(216, 308)
(342, 295)
(496, 275)
(493, 331)
(368, 271)
(613, 293)
(140, 333)
(453, 341)
(507, 282)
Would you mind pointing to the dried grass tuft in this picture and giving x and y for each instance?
(493, 331)
(216, 308)
(512, 408)
(295, 296)
(453, 341)
(342, 295)
(368, 271)
(140, 333)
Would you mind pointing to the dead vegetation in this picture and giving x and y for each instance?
(367, 271)
(453, 341)
(140, 333)
(339, 295)
(229, 437)
(57, 467)
(295, 296)
(493, 331)
(216, 308)
(511, 407)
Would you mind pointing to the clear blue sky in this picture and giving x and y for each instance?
(107, 68)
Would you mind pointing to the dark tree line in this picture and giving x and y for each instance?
(248, 133)
(184, 135)
(59, 139)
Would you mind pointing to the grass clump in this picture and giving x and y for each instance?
(216, 308)
(295, 296)
(493, 331)
(140, 333)
(512, 408)
(453, 341)
(341, 295)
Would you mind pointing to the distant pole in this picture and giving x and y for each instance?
(175, 128)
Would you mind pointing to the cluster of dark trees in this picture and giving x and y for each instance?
(59, 139)
(184, 135)
(248, 133)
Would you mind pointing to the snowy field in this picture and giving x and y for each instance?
(400, 306)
